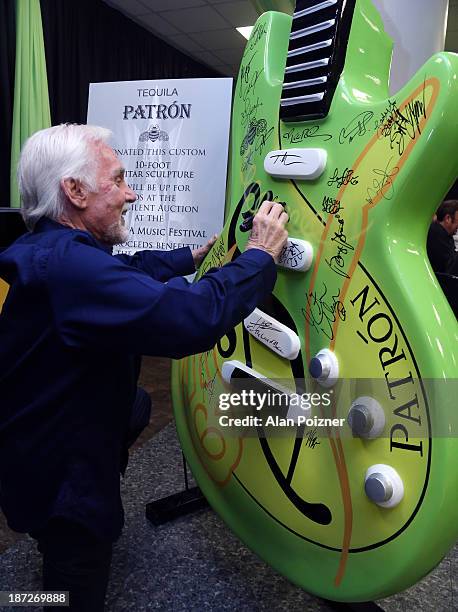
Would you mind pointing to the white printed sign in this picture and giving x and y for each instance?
(172, 137)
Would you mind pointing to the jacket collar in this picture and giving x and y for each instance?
(45, 224)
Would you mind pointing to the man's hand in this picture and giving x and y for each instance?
(199, 254)
(269, 233)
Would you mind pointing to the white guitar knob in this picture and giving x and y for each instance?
(304, 164)
(296, 255)
(366, 418)
(324, 368)
(383, 486)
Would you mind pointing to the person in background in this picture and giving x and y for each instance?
(72, 324)
(440, 244)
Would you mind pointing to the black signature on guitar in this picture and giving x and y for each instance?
(249, 111)
(311, 438)
(261, 325)
(247, 161)
(331, 205)
(257, 34)
(298, 135)
(261, 140)
(215, 258)
(323, 313)
(248, 78)
(346, 178)
(399, 125)
(209, 386)
(357, 127)
(258, 134)
(286, 159)
(382, 184)
(337, 261)
(292, 255)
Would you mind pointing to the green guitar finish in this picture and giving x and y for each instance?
(370, 296)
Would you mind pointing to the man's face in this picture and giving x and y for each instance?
(104, 213)
(451, 223)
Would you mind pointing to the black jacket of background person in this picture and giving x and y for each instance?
(441, 250)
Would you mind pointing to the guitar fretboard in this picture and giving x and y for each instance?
(316, 56)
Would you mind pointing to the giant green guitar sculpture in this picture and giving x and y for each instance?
(371, 507)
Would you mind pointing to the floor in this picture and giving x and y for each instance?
(154, 378)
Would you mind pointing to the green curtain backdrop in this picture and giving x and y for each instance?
(7, 57)
(31, 100)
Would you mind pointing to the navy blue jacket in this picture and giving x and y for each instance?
(73, 319)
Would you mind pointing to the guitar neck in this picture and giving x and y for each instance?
(316, 57)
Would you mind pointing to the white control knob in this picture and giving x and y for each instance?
(366, 418)
(384, 486)
(297, 255)
(324, 368)
(304, 164)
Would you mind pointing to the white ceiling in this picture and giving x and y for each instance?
(205, 29)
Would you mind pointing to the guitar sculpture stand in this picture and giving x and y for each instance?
(354, 498)
(367, 606)
(187, 501)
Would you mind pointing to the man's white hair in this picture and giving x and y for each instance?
(50, 155)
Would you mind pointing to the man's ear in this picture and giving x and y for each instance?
(75, 191)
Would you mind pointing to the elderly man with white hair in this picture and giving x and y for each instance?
(73, 322)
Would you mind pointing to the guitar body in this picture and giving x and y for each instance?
(297, 497)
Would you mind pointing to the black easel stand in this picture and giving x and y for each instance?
(365, 606)
(171, 507)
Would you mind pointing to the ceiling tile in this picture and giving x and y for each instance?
(170, 5)
(196, 19)
(185, 42)
(241, 13)
(159, 25)
(131, 7)
(229, 56)
(207, 57)
(220, 39)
